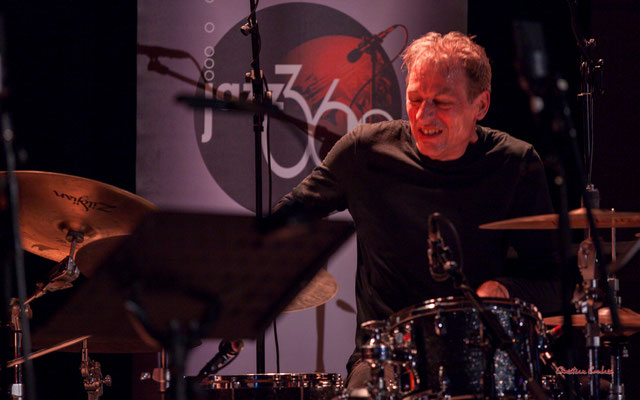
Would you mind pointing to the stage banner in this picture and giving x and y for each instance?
(330, 65)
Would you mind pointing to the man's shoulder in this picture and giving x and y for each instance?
(382, 131)
(503, 143)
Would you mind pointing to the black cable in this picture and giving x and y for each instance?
(270, 197)
(275, 335)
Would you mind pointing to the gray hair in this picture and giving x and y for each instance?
(452, 50)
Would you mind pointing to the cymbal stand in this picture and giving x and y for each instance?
(161, 374)
(92, 375)
(618, 343)
(588, 305)
(65, 272)
(17, 389)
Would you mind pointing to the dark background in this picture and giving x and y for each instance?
(72, 79)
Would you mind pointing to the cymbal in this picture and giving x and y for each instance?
(320, 290)
(629, 319)
(577, 220)
(91, 255)
(52, 204)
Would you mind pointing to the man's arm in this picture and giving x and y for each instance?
(323, 191)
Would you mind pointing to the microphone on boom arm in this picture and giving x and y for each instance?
(228, 350)
(364, 45)
(439, 254)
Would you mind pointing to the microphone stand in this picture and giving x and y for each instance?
(11, 255)
(255, 76)
(497, 335)
(588, 67)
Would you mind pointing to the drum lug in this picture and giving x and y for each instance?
(476, 341)
(444, 382)
(440, 325)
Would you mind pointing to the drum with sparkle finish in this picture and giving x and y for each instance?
(441, 350)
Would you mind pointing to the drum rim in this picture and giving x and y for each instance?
(273, 378)
(455, 303)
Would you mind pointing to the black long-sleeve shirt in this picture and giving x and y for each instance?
(390, 189)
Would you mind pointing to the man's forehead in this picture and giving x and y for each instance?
(425, 71)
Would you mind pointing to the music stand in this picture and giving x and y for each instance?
(175, 262)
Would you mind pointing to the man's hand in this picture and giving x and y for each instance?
(493, 289)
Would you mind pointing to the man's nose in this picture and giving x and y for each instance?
(426, 111)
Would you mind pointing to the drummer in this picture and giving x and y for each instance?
(392, 175)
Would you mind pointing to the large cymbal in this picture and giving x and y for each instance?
(52, 204)
(321, 289)
(577, 220)
(629, 320)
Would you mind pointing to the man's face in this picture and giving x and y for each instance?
(442, 117)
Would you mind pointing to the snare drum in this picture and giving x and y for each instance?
(441, 349)
(318, 386)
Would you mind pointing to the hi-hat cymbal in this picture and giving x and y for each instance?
(321, 289)
(577, 220)
(53, 204)
(629, 320)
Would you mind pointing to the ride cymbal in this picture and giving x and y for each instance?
(629, 320)
(53, 204)
(577, 220)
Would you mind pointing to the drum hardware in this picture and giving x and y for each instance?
(376, 352)
(618, 345)
(42, 352)
(65, 272)
(17, 387)
(91, 373)
(161, 374)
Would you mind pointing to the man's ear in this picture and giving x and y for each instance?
(482, 103)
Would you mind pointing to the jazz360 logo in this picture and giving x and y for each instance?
(312, 118)
(311, 78)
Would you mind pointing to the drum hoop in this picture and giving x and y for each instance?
(274, 380)
(454, 304)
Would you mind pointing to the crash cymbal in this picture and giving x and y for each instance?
(629, 319)
(321, 289)
(53, 204)
(577, 220)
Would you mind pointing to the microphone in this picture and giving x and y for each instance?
(156, 51)
(437, 251)
(228, 350)
(554, 333)
(366, 42)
